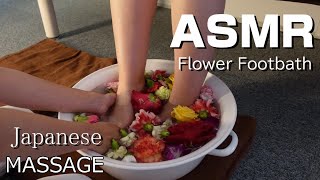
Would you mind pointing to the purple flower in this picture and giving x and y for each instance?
(173, 152)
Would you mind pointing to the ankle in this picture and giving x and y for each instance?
(131, 85)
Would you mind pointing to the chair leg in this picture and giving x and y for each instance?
(48, 17)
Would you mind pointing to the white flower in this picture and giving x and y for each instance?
(167, 123)
(129, 158)
(156, 132)
(163, 93)
(119, 153)
(128, 140)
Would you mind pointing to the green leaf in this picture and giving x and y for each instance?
(149, 83)
(123, 133)
(152, 97)
(203, 114)
(165, 133)
(114, 144)
(148, 127)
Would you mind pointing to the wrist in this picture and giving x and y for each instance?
(95, 103)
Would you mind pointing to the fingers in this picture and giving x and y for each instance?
(108, 131)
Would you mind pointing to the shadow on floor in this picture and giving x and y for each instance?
(86, 29)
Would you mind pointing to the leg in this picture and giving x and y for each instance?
(132, 22)
(48, 18)
(182, 92)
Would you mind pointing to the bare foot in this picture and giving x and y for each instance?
(122, 114)
(166, 111)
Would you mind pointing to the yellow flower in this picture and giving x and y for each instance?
(171, 77)
(170, 81)
(183, 114)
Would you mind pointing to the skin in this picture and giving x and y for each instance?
(31, 123)
(23, 90)
(182, 94)
(132, 23)
(18, 89)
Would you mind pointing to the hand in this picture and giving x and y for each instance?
(104, 102)
(108, 131)
(122, 114)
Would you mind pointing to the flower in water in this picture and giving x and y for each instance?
(158, 75)
(143, 118)
(129, 158)
(163, 93)
(173, 151)
(201, 106)
(148, 149)
(118, 153)
(158, 130)
(152, 86)
(128, 140)
(195, 133)
(206, 93)
(184, 114)
(80, 118)
(146, 101)
(112, 86)
(93, 119)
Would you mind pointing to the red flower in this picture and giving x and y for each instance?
(158, 75)
(194, 133)
(142, 133)
(143, 118)
(93, 119)
(148, 149)
(202, 105)
(152, 86)
(148, 102)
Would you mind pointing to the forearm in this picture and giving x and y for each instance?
(23, 90)
(32, 123)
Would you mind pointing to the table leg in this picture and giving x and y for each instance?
(48, 17)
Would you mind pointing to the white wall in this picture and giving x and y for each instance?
(262, 7)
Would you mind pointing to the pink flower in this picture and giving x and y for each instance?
(113, 86)
(143, 118)
(206, 93)
(202, 105)
(93, 119)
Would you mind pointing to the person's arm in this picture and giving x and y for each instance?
(33, 123)
(23, 90)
